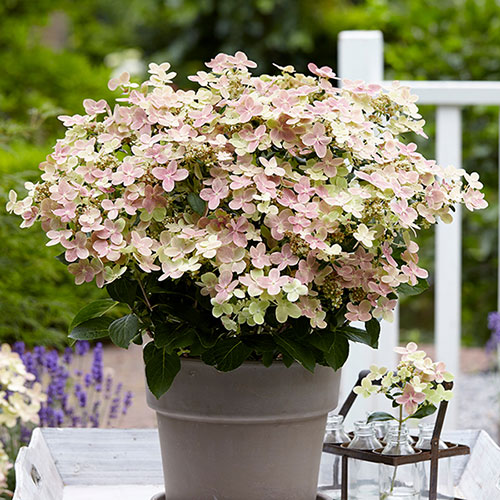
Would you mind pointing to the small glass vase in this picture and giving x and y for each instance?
(401, 482)
(331, 471)
(445, 486)
(363, 476)
(392, 426)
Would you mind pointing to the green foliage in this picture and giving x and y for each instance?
(180, 323)
(38, 297)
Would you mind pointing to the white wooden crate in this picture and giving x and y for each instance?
(119, 464)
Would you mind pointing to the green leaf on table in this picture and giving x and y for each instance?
(123, 290)
(123, 330)
(196, 203)
(380, 416)
(227, 354)
(93, 310)
(297, 351)
(338, 353)
(424, 411)
(95, 328)
(161, 368)
(406, 290)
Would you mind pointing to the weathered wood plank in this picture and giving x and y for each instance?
(105, 456)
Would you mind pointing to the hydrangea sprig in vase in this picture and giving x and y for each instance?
(245, 223)
(415, 388)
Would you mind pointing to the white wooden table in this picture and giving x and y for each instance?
(119, 464)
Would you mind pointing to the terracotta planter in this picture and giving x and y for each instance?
(254, 433)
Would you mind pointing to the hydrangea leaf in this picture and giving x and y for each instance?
(161, 369)
(93, 310)
(123, 330)
(95, 328)
(227, 354)
(380, 416)
(338, 353)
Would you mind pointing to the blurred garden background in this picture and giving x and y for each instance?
(55, 53)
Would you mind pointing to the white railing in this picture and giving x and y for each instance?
(361, 57)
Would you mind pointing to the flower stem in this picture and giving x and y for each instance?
(393, 481)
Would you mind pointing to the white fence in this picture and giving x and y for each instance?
(361, 57)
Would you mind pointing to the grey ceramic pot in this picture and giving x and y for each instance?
(254, 433)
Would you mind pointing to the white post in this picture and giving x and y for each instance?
(448, 264)
(361, 57)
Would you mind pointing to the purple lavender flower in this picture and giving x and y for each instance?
(94, 416)
(39, 352)
(31, 364)
(494, 326)
(127, 402)
(82, 347)
(19, 347)
(68, 355)
(97, 364)
(87, 380)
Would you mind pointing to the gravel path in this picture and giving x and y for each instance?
(479, 397)
(479, 402)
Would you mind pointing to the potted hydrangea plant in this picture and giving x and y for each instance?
(245, 224)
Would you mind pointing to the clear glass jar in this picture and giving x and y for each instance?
(445, 486)
(394, 425)
(402, 482)
(363, 476)
(331, 465)
(380, 429)
(335, 430)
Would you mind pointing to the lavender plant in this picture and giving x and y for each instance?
(77, 396)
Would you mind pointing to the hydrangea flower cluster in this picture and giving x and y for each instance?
(272, 194)
(20, 401)
(417, 384)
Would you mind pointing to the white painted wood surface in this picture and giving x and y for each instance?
(119, 464)
(460, 93)
(90, 464)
